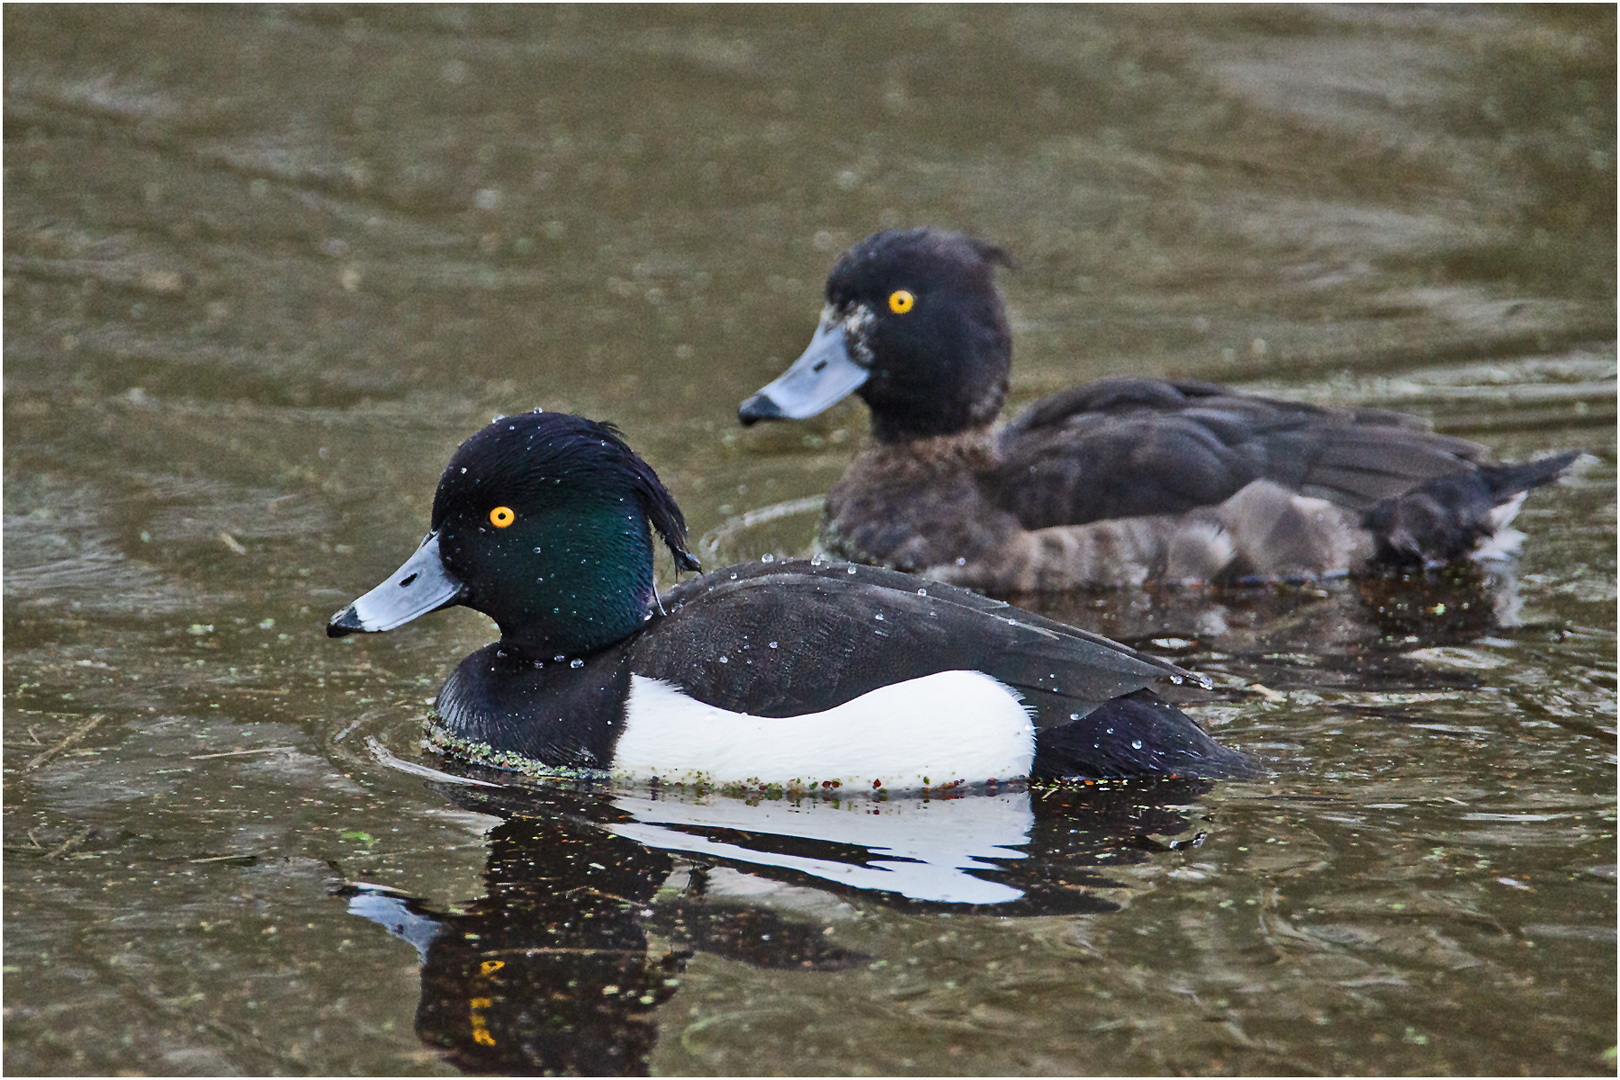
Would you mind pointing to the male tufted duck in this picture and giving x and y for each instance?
(795, 673)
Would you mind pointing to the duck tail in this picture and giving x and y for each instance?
(1460, 515)
(1138, 734)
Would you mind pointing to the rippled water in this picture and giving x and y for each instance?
(264, 268)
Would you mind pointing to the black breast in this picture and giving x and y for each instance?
(548, 711)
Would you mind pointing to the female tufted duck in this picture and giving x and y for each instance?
(1116, 481)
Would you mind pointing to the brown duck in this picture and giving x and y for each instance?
(1114, 482)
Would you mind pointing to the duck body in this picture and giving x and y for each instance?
(798, 673)
(1115, 482)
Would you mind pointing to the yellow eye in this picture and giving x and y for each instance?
(901, 301)
(501, 517)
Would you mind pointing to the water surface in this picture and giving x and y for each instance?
(266, 267)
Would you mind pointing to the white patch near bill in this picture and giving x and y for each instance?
(953, 726)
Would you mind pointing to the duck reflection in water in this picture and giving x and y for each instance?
(595, 900)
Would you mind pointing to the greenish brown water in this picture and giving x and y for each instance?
(264, 268)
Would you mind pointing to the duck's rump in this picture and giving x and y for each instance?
(1121, 448)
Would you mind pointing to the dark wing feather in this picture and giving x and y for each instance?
(1129, 447)
(1357, 465)
(799, 637)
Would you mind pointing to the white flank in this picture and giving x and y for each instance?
(917, 848)
(953, 726)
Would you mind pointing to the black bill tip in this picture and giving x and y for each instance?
(757, 408)
(344, 623)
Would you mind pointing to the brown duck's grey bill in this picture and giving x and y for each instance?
(420, 586)
(822, 376)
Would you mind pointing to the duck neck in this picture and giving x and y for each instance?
(972, 450)
(592, 586)
(942, 413)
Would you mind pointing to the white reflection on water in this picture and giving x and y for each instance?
(922, 849)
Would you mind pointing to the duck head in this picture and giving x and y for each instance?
(542, 522)
(915, 327)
